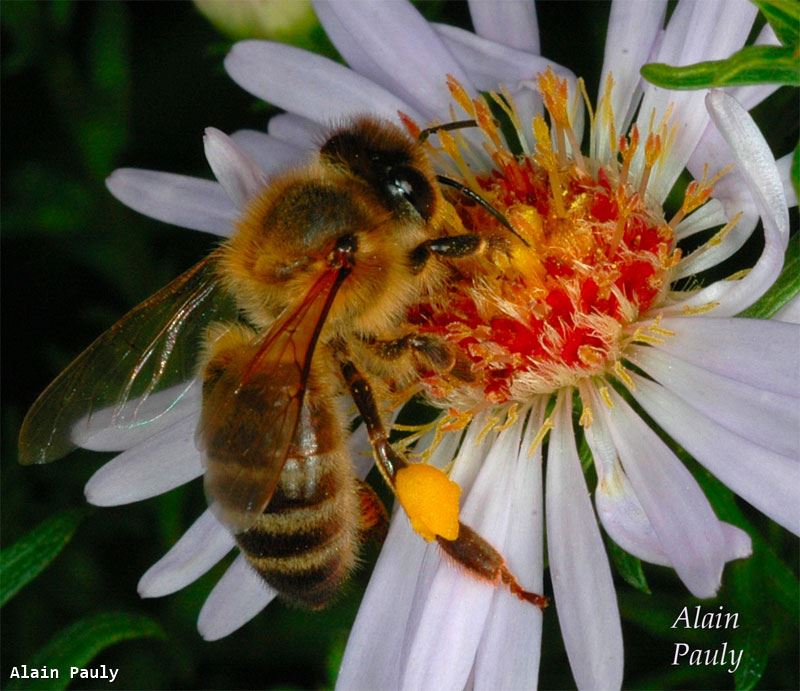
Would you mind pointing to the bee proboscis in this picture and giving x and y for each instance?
(306, 301)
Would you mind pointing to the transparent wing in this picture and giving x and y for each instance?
(253, 404)
(133, 375)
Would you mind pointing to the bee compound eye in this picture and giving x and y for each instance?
(408, 184)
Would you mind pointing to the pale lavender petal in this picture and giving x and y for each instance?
(236, 598)
(161, 463)
(270, 153)
(383, 613)
(617, 505)
(713, 253)
(707, 30)
(297, 130)
(401, 578)
(330, 93)
(790, 312)
(767, 480)
(489, 65)
(183, 201)
(408, 60)
(754, 159)
(240, 176)
(446, 627)
(766, 418)
(633, 27)
(512, 22)
(784, 164)
(509, 651)
(622, 514)
(200, 548)
(709, 215)
(586, 601)
(679, 512)
(122, 427)
(762, 353)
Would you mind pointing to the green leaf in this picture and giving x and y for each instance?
(78, 644)
(628, 566)
(785, 287)
(28, 557)
(750, 65)
(784, 18)
(796, 171)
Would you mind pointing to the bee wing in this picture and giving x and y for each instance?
(251, 413)
(120, 381)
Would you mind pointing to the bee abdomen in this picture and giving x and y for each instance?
(304, 544)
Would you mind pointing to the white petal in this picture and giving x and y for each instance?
(679, 512)
(270, 153)
(294, 129)
(408, 60)
(709, 215)
(177, 199)
(330, 92)
(240, 176)
(785, 170)
(755, 161)
(758, 352)
(236, 598)
(372, 658)
(161, 463)
(766, 418)
(767, 480)
(708, 30)
(633, 27)
(122, 427)
(446, 627)
(512, 22)
(200, 548)
(617, 505)
(398, 580)
(586, 601)
(488, 64)
(509, 651)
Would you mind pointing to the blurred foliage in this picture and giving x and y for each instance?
(92, 86)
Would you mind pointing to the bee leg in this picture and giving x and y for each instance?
(448, 246)
(434, 350)
(373, 517)
(469, 549)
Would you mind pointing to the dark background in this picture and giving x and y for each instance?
(88, 87)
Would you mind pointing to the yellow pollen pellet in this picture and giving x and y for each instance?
(430, 499)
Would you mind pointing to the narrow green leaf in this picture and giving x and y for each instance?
(628, 566)
(785, 287)
(784, 18)
(750, 65)
(28, 557)
(753, 633)
(796, 171)
(78, 644)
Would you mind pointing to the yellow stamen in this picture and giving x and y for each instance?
(460, 95)
(690, 311)
(547, 425)
(430, 500)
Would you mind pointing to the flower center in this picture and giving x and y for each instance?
(529, 319)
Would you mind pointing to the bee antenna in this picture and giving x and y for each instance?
(455, 125)
(467, 192)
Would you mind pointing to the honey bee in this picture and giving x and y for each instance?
(305, 302)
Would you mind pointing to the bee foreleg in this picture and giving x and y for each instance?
(448, 246)
(469, 549)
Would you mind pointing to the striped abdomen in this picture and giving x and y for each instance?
(304, 544)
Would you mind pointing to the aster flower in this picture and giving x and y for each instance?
(594, 317)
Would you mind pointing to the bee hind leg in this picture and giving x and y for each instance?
(434, 351)
(468, 549)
